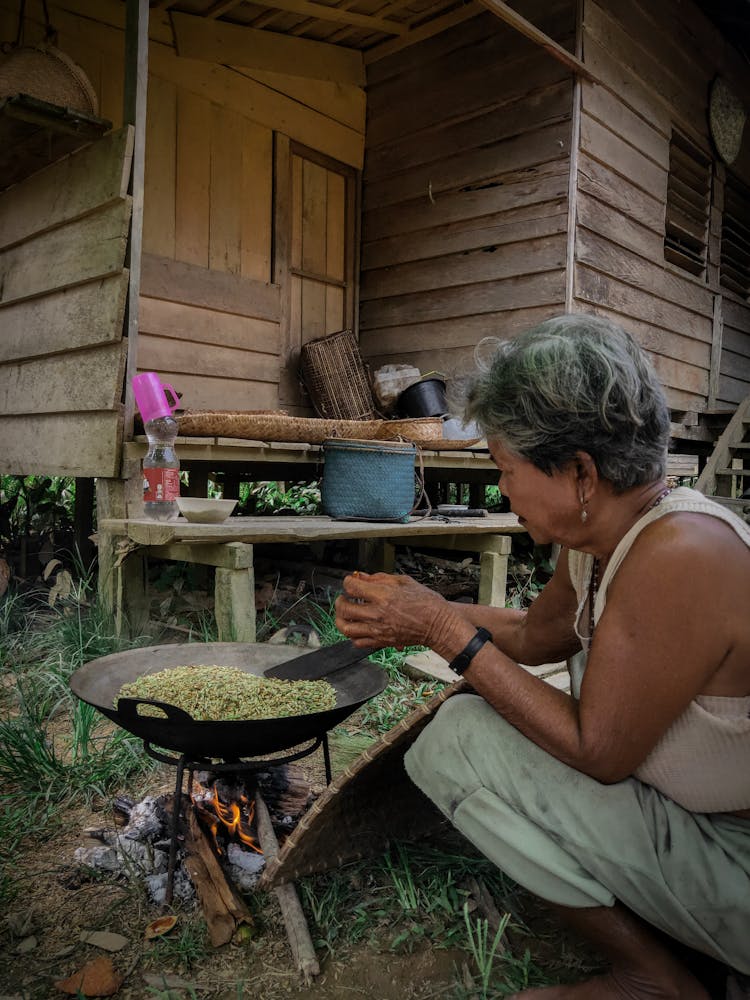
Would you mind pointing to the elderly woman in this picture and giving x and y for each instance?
(626, 804)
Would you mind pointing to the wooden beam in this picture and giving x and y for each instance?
(134, 113)
(237, 45)
(528, 30)
(423, 32)
(323, 13)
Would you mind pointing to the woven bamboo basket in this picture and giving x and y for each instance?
(259, 425)
(420, 430)
(370, 804)
(336, 378)
(49, 75)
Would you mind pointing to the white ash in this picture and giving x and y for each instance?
(245, 867)
(182, 887)
(139, 850)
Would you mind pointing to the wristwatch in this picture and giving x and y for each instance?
(461, 662)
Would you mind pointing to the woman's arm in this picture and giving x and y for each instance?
(544, 632)
(384, 610)
(662, 636)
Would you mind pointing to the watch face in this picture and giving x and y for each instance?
(726, 117)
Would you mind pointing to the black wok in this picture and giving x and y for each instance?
(99, 681)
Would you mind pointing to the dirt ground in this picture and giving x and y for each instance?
(40, 940)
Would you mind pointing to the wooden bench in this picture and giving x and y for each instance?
(125, 544)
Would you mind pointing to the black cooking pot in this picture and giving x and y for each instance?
(99, 681)
(425, 398)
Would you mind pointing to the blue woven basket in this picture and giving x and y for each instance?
(368, 480)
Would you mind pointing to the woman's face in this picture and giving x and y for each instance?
(548, 506)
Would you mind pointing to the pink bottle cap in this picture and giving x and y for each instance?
(149, 391)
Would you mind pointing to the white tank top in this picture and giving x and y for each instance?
(703, 759)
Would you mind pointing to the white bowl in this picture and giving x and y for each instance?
(203, 511)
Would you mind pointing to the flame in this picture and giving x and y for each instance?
(236, 817)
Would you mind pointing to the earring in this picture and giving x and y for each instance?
(584, 515)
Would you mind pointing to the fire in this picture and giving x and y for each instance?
(236, 817)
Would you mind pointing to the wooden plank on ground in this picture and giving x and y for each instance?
(61, 444)
(94, 176)
(239, 45)
(91, 247)
(162, 278)
(82, 316)
(63, 383)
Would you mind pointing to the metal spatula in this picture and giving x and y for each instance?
(319, 663)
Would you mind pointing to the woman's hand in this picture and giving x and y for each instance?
(381, 610)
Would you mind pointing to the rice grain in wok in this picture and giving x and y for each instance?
(228, 693)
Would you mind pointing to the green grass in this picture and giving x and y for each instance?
(54, 749)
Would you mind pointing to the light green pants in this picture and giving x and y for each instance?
(576, 842)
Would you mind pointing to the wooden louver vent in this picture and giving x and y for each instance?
(688, 205)
(734, 271)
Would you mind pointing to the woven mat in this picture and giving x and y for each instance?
(366, 807)
(260, 425)
(275, 425)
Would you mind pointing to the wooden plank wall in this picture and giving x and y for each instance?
(210, 315)
(465, 190)
(63, 233)
(656, 62)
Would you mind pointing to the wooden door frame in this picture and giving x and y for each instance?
(281, 269)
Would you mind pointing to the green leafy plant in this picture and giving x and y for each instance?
(273, 498)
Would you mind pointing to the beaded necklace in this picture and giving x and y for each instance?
(596, 568)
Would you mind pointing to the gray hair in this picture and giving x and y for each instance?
(574, 383)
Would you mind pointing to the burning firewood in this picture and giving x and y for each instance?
(223, 909)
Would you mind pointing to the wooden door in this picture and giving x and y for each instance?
(315, 210)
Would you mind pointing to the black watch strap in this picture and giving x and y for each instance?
(461, 662)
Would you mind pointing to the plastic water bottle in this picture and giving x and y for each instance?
(161, 466)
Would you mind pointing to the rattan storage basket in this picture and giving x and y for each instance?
(336, 378)
(368, 480)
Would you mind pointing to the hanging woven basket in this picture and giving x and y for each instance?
(47, 74)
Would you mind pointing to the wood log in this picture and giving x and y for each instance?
(294, 918)
(224, 910)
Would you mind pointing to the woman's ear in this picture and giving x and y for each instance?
(587, 475)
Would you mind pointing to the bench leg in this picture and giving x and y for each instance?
(121, 565)
(377, 555)
(234, 604)
(493, 578)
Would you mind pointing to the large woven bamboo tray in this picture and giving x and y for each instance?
(275, 425)
(259, 425)
(365, 808)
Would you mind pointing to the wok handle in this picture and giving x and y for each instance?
(127, 708)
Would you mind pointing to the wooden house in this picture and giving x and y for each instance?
(425, 173)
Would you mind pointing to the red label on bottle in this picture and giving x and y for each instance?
(161, 485)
